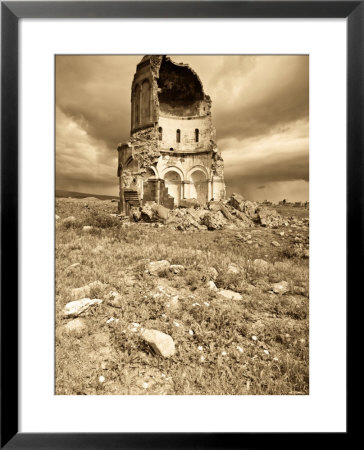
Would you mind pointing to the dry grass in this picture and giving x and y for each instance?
(219, 355)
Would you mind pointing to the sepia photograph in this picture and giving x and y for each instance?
(182, 224)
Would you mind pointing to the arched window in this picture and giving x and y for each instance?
(160, 133)
(145, 102)
(137, 105)
(197, 135)
(178, 136)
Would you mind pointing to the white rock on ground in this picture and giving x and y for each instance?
(211, 285)
(276, 244)
(76, 327)
(57, 217)
(232, 269)
(280, 288)
(260, 264)
(87, 228)
(212, 273)
(173, 303)
(161, 343)
(114, 299)
(85, 291)
(226, 294)
(176, 268)
(75, 308)
(157, 267)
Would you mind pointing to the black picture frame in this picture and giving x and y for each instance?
(11, 12)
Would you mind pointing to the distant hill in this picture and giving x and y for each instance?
(60, 193)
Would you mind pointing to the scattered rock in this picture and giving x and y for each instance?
(176, 268)
(247, 288)
(75, 308)
(260, 264)
(114, 299)
(157, 267)
(269, 218)
(214, 206)
(135, 213)
(249, 209)
(161, 343)
(76, 327)
(245, 222)
(87, 228)
(212, 273)
(226, 213)
(213, 221)
(261, 284)
(227, 294)
(189, 203)
(57, 217)
(211, 285)
(237, 201)
(161, 212)
(173, 302)
(86, 291)
(147, 212)
(232, 269)
(280, 288)
(275, 244)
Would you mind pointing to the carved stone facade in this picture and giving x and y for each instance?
(171, 154)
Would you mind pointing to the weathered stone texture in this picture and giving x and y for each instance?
(172, 154)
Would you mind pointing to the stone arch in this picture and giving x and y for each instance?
(198, 167)
(152, 172)
(173, 178)
(175, 169)
(132, 165)
(198, 177)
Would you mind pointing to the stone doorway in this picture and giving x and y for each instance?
(173, 183)
(199, 188)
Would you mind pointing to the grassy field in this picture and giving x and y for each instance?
(256, 345)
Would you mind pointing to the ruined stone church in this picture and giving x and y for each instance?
(171, 155)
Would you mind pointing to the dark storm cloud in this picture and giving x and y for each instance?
(94, 91)
(274, 94)
(260, 110)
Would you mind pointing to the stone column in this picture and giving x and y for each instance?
(209, 190)
(121, 204)
(185, 189)
(158, 192)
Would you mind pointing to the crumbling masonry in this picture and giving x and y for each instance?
(171, 155)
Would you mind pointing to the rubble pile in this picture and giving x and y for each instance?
(234, 213)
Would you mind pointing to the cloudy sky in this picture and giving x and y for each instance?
(260, 110)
